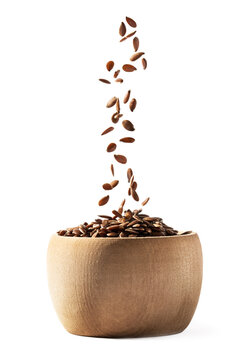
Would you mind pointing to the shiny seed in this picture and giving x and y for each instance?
(129, 68)
(105, 81)
(109, 65)
(122, 29)
(107, 186)
(126, 97)
(116, 74)
(103, 201)
(111, 102)
(133, 104)
(145, 201)
(127, 140)
(128, 125)
(107, 130)
(114, 183)
(144, 63)
(112, 169)
(129, 174)
(136, 56)
(121, 159)
(111, 147)
(131, 22)
(136, 43)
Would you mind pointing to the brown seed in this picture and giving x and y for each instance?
(112, 234)
(103, 201)
(112, 169)
(121, 159)
(115, 117)
(127, 140)
(123, 39)
(62, 232)
(126, 97)
(107, 186)
(134, 185)
(111, 147)
(119, 80)
(136, 43)
(116, 74)
(144, 63)
(111, 102)
(107, 130)
(131, 22)
(145, 201)
(129, 191)
(128, 125)
(131, 34)
(104, 81)
(123, 203)
(109, 65)
(131, 180)
(118, 106)
(136, 56)
(114, 183)
(133, 104)
(129, 68)
(129, 174)
(105, 217)
(122, 29)
(134, 195)
(116, 213)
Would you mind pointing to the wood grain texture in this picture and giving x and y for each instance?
(117, 287)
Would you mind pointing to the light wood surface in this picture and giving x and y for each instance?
(117, 287)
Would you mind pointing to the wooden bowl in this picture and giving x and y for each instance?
(117, 287)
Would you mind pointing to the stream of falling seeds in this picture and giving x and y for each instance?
(115, 103)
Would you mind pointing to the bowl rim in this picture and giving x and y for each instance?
(126, 238)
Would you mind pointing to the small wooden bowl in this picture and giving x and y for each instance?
(118, 287)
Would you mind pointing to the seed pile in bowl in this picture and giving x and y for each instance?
(123, 223)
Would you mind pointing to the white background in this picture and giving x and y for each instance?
(53, 160)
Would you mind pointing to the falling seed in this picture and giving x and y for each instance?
(131, 34)
(134, 185)
(123, 203)
(112, 169)
(115, 117)
(129, 192)
(131, 180)
(136, 56)
(110, 65)
(136, 43)
(129, 174)
(129, 68)
(131, 22)
(134, 195)
(111, 102)
(122, 29)
(144, 63)
(128, 125)
(103, 201)
(123, 39)
(111, 147)
(126, 97)
(127, 140)
(105, 81)
(116, 74)
(118, 106)
(107, 186)
(121, 159)
(107, 130)
(114, 183)
(145, 201)
(119, 80)
(133, 104)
